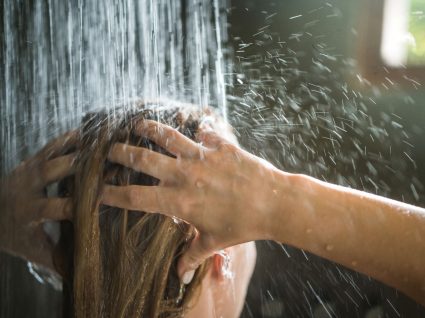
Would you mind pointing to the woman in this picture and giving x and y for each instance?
(117, 262)
(211, 184)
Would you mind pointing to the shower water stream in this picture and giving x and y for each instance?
(62, 60)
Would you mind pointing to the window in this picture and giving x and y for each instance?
(416, 52)
(391, 43)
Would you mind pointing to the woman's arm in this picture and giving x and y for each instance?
(232, 197)
(382, 238)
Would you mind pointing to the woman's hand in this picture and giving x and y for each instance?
(225, 192)
(25, 205)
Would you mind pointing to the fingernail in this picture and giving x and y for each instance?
(188, 276)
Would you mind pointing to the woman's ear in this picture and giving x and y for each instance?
(221, 263)
(217, 264)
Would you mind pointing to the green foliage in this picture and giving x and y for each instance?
(416, 54)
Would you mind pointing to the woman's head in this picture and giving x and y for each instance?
(124, 262)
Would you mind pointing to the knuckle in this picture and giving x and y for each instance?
(208, 136)
(172, 133)
(132, 196)
(169, 134)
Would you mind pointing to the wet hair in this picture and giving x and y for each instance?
(116, 262)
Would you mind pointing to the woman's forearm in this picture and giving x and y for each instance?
(382, 238)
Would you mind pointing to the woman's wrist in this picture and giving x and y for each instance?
(281, 198)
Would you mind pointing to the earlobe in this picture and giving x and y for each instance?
(221, 264)
(217, 265)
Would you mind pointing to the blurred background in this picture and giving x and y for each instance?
(333, 89)
(369, 54)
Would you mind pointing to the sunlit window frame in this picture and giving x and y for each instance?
(370, 62)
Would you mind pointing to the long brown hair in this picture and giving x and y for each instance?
(123, 263)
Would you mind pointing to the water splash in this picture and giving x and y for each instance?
(301, 111)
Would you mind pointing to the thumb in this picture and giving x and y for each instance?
(196, 254)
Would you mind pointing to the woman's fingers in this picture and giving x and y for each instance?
(169, 138)
(144, 160)
(55, 209)
(58, 146)
(57, 169)
(197, 253)
(211, 139)
(141, 198)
